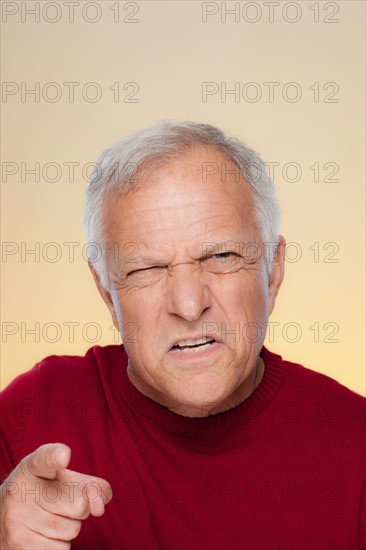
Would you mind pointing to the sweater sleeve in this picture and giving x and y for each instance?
(16, 400)
(362, 520)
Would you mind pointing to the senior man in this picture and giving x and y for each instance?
(207, 439)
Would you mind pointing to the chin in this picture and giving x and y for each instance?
(201, 403)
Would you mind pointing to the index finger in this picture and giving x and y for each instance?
(45, 461)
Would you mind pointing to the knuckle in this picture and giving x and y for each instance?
(64, 528)
(75, 529)
(107, 486)
(103, 487)
(54, 522)
(81, 508)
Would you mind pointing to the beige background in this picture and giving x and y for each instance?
(168, 52)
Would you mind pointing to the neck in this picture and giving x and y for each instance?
(242, 393)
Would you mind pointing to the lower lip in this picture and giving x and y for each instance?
(198, 353)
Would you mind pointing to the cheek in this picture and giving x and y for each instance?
(245, 293)
(247, 305)
(259, 301)
(251, 309)
(138, 312)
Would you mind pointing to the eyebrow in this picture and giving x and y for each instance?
(145, 261)
(225, 244)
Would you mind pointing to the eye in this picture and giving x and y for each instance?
(146, 274)
(222, 262)
(224, 255)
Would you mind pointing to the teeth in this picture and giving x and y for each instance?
(193, 346)
(197, 342)
(194, 350)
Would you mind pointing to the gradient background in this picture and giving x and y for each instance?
(168, 52)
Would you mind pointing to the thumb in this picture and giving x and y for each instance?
(45, 461)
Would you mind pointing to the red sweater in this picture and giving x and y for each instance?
(285, 470)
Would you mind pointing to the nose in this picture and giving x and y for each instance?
(188, 296)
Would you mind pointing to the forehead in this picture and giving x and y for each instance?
(203, 162)
(195, 195)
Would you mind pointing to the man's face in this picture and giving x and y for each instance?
(182, 273)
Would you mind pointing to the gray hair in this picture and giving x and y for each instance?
(117, 167)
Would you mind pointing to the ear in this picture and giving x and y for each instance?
(104, 294)
(278, 271)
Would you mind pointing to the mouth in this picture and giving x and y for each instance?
(194, 345)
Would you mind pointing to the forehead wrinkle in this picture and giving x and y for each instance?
(149, 236)
(150, 247)
(174, 216)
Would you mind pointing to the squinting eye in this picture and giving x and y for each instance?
(224, 255)
(223, 262)
(146, 272)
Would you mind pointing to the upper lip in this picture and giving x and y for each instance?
(195, 337)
